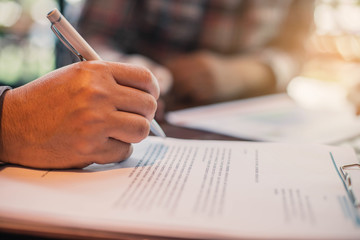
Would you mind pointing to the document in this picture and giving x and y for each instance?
(270, 118)
(190, 189)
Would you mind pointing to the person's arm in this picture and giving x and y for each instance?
(209, 76)
(206, 77)
(87, 112)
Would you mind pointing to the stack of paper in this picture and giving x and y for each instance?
(270, 118)
(190, 189)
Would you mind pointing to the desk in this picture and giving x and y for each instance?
(186, 133)
(171, 131)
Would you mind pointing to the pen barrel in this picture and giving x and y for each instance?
(72, 36)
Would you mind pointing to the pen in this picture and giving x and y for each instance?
(77, 44)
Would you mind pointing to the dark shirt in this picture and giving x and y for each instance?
(161, 29)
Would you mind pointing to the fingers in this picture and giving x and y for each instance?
(108, 151)
(114, 151)
(134, 101)
(135, 77)
(123, 128)
(111, 151)
(162, 74)
(128, 127)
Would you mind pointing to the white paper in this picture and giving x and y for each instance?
(194, 189)
(270, 118)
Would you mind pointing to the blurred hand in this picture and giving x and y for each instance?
(88, 112)
(195, 76)
(205, 77)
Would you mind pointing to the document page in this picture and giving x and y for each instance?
(192, 189)
(270, 118)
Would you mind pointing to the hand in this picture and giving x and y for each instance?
(205, 77)
(88, 112)
(195, 77)
(162, 74)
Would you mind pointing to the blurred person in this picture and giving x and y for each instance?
(203, 51)
(84, 113)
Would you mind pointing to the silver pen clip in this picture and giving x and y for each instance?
(66, 42)
(348, 183)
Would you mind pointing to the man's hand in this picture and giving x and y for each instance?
(162, 74)
(88, 112)
(204, 77)
(195, 76)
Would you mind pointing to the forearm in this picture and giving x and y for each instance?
(205, 77)
(245, 76)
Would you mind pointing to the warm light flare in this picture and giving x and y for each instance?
(10, 13)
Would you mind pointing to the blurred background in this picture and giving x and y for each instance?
(335, 39)
(28, 46)
(331, 74)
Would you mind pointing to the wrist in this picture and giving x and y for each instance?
(259, 78)
(12, 122)
(3, 92)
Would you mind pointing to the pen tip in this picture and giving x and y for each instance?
(156, 129)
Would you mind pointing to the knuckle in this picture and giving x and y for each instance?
(91, 81)
(86, 67)
(125, 151)
(146, 80)
(150, 104)
(87, 126)
(94, 93)
(142, 130)
(150, 82)
(147, 76)
(88, 117)
(145, 71)
(84, 147)
(96, 64)
(153, 104)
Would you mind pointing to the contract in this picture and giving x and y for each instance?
(190, 189)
